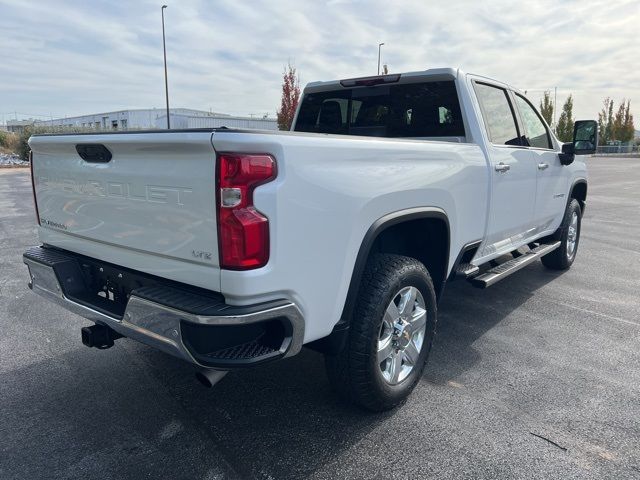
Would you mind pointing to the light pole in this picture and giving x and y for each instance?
(379, 46)
(166, 82)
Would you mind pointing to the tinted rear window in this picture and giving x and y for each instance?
(416, 110)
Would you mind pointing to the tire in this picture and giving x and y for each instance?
(355, 373)
(569, 235)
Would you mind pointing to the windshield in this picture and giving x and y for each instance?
(427, 109)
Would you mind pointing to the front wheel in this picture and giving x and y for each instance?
(390, 334)
(569, 235)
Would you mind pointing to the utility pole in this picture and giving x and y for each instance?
(379, 46)
(166, 82)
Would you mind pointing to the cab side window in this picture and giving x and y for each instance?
(535, 130)
(497, 115)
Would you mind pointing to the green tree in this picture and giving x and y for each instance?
(564, 128)
(611, 135)
(546, 107)
(629, 127)
(623, 122)
(605, 122)
(618, 122)
(618, 127)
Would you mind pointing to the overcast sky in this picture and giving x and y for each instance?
(70, 57)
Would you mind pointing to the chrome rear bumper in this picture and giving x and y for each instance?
(162, 324)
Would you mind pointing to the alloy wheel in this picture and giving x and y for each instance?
(401, 335)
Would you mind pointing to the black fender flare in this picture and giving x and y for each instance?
(374, 230)
(337, 339)
(576, 182)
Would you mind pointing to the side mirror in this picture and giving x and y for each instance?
(585, 141)
(585, 137)
(568, 154)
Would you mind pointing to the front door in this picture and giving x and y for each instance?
(552, 185)
(513, 173)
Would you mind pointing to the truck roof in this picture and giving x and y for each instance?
(432, 74)
(409, 77)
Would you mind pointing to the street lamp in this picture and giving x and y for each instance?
(166, 82)
(379, 45)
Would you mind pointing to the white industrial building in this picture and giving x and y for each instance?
(157, 118)
(17, 126)
(215, 120)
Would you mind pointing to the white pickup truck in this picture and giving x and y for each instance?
(232, 248)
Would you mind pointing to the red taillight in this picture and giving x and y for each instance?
(33, 187)
(243, 232)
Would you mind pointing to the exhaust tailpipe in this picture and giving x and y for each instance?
(209, 377)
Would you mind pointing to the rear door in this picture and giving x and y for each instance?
(551, 186)
(513, 173)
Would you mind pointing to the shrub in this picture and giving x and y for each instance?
(22, 142)
(22, 148)
(8, 142)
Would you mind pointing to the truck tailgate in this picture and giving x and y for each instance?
(152, 206)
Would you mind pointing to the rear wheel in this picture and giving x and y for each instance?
(569, 235)
(390, 334)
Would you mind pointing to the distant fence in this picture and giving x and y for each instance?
(618, 150)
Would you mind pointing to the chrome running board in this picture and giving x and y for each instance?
(505, 269)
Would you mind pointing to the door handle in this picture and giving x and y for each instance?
(503, 167)
(543, 166)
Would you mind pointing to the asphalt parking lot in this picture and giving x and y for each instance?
(538, 376)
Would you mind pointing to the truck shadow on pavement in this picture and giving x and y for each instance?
(466, 313)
